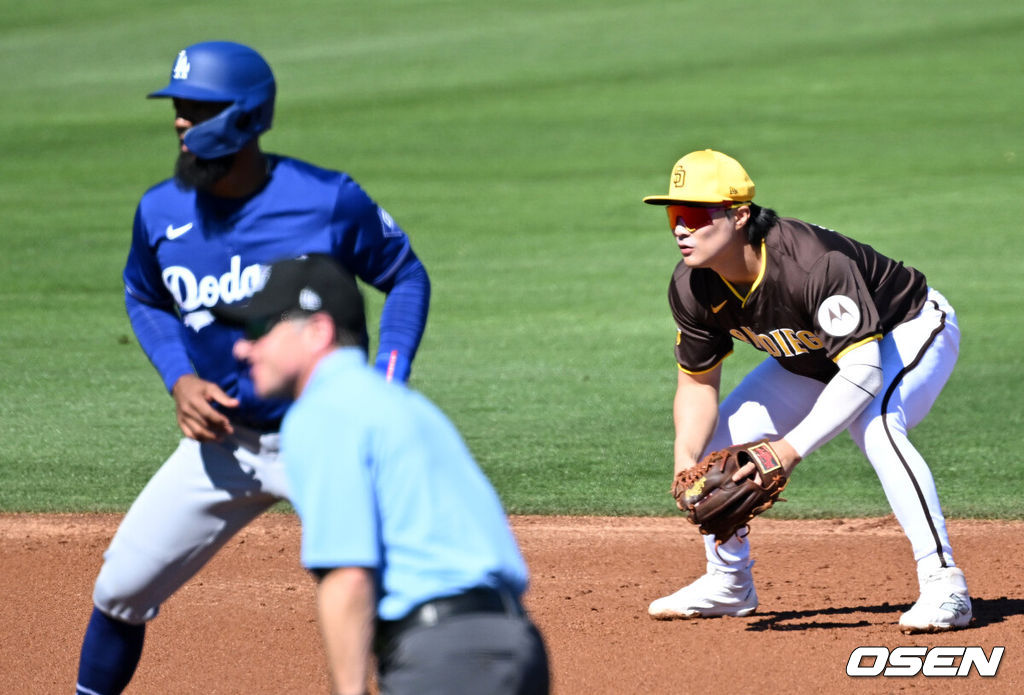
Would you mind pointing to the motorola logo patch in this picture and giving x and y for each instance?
(838, 315)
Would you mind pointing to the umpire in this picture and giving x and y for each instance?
(408, 540)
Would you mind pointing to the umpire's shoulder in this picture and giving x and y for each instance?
(357, 390)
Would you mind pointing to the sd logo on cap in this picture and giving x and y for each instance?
(706, 176)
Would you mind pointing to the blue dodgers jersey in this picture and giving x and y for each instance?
(191, 250)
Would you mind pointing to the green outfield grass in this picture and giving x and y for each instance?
(513, 141)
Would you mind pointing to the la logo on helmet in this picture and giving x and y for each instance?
(181, 67)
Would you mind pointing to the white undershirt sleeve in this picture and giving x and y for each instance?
(855, 385)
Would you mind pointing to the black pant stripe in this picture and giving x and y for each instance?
(885, 423)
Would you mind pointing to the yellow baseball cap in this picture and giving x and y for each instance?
(706, 176)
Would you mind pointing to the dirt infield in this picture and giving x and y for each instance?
(246, 624)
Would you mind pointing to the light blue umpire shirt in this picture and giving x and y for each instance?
(381, 479)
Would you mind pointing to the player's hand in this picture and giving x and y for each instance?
(681, 466)
(196, 417)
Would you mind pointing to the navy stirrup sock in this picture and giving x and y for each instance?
(110, 653)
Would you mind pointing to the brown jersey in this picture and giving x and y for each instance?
(818, 295)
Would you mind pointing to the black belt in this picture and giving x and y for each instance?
(263, 427)
(480, 600)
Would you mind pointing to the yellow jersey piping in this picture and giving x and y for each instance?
(760, 276)
(877, 336)
(704, 371)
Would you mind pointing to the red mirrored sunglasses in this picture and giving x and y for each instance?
(693, 217)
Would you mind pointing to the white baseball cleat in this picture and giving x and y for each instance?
(944, 604)
(717, 593)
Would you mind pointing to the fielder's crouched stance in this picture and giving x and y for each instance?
(203, 237)
(858, 342)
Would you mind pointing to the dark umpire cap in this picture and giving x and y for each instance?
(297, 287)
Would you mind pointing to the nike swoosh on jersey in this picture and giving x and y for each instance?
(716, 309)
(175, 232)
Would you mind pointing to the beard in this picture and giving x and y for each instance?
(193, 173)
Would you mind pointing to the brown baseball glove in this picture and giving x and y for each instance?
(717, 504)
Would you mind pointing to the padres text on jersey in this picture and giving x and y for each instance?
(819, 293)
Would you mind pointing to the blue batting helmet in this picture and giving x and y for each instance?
(229, 72)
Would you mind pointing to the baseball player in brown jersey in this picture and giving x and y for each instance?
(856, 341)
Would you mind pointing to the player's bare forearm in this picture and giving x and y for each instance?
(695, 412)
(788, 456)
(347, 611)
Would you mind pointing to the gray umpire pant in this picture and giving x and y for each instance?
(472, 654)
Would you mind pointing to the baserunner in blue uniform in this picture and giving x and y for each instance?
(206, 236)
(407, 536)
